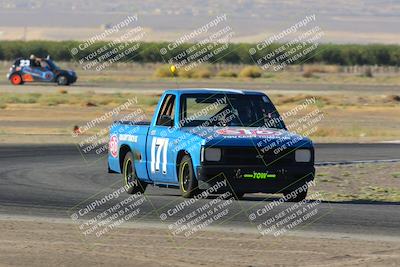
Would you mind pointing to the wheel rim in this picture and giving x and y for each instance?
(185, 177)
(16, 79)
(128, 172)
(62, 80)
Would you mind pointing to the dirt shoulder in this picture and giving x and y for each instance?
(41, 243)
(373, 182)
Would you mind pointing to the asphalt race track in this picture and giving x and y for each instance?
(50, 180)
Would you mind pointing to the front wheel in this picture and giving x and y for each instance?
(130, 178)
(238, 195)
(293, 196)
(62, 80)
(187, 180)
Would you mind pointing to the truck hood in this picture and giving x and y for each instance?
(247, 136)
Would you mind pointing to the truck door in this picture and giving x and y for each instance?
(160, 143)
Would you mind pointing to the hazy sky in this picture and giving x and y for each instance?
(344, 21)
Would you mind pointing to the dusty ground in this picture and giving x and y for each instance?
(39, 243)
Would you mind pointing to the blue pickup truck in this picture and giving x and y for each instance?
(200, 138)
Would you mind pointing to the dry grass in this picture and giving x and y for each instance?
(163, 72)
(319, 68)
(308, 74)
(250, 72)
(62, 91)
(349, 118)
(359, 182)
(88, 99)
(227, 73)
(197, 73)
(202, 72)
(339, 100)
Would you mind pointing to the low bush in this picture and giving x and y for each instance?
(163, 72)
(227, 73)
(250, 72)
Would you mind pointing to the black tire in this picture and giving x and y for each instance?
(187, 180)
(298, 196)
(238, 195)
(62, 80)
(129, 176)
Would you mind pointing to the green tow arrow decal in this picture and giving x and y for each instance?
(259, 175)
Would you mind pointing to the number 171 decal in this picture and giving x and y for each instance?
(159, 146)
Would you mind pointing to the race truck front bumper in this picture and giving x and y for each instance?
(255, 179)
(248, 172)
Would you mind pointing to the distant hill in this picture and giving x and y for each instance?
(363, 21)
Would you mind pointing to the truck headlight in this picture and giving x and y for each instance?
(303, 155)
(212, 154)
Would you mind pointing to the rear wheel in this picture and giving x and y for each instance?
(130, 177)
(62, 80)
(293, 196)
(187, 180)
(16, 79)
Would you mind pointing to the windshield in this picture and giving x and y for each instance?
(228, 110)
(52, 65)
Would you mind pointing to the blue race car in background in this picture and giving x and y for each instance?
(39, 70)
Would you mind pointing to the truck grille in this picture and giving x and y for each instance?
(250, 156)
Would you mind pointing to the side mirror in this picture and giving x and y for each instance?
(166, 120)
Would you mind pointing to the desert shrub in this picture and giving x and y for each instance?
(308, 74)
(90, 104)
(250, 72)
(201, 73)
(185, 73)
(163, 72)
(393, 98)
(227, 73)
